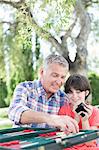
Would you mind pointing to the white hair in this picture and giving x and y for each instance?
(58, 59)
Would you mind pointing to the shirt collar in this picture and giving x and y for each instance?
(41, 92)
(40, 89)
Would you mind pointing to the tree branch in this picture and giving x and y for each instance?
(42, 33)
(7, 22)
(12, 3)
(68, 32)
(85, 24)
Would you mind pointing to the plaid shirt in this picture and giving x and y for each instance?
(31, 95)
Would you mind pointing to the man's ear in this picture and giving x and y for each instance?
(87, 93)
(41, 71)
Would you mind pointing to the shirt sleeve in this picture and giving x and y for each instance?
(18, 104)
(64, 110)
(94, 119)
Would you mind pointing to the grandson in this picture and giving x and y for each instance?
(77, 88)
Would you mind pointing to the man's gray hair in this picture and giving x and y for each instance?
(58, 59)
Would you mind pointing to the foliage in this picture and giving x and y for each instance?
(3, 93)
(95, 22)
(94, 81)
(2, 61)
(48, 16)
(18, 41)
(22, 63)
(51, 14)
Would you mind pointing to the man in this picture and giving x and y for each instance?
(36, 103)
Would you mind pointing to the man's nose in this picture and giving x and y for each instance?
(59, 81)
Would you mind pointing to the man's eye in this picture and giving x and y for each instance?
(55, 75)
(63, 77)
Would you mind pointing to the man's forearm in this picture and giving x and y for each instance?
(30, 116)
(61, 121)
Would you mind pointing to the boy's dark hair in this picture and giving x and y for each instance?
(78, 82)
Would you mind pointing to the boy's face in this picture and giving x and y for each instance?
(77, 96)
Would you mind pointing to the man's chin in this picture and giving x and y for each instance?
(54, 91)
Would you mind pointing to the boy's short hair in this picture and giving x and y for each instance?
(78, 82)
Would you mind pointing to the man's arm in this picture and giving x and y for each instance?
(19, 113)
(60, 121)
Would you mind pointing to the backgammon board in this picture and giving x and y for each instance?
(42, 138)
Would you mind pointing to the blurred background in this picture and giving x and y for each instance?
(32, 29)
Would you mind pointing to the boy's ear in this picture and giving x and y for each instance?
(87, 93)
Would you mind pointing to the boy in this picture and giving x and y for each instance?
(78, 89)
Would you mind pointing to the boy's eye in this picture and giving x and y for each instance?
(70, 92)
(78, 91)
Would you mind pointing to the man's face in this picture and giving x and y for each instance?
(53, 77)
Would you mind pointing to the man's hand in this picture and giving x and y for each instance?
(64, 123)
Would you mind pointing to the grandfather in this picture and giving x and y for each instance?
(36, 103)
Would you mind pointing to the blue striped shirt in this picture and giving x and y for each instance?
(31, 95)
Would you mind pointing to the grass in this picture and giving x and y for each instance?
(5, 126)
(4, 112)
(4, 121)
